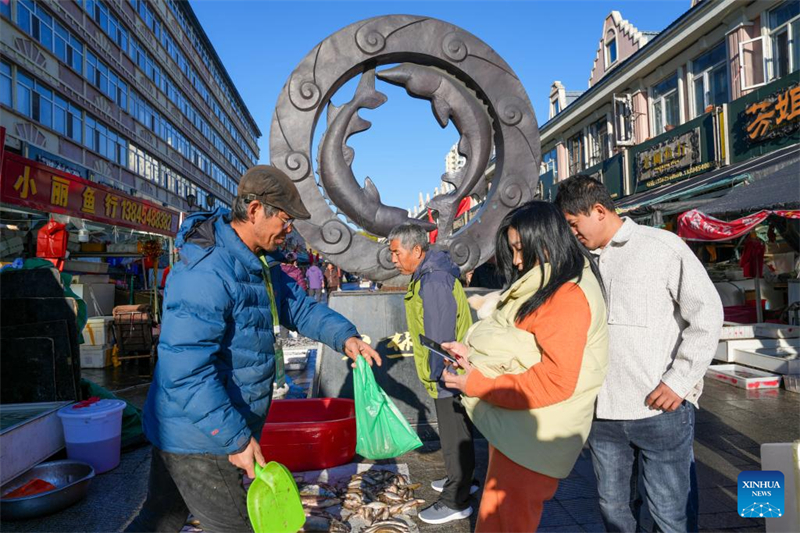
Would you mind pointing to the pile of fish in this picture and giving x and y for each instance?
(373, 498)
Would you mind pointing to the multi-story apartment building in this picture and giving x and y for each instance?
(129, 93)
(454, 161)
(683, 109)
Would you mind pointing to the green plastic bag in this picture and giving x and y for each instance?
(382, 432)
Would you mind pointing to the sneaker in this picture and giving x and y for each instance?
(439, 513)
(439, 484)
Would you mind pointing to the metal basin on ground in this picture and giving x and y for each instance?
(71, 479)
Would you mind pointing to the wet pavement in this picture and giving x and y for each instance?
(731, 426)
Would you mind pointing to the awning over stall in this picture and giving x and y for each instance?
(780, 190)
(695, 225)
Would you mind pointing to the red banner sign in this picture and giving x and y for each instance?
(36, 186)
(695, 225)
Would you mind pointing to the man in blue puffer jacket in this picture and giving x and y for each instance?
(213, 382)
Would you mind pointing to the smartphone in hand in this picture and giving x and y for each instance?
(436, 348)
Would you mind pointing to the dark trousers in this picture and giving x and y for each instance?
(316, 294)
(455, 434)
(653, 456)
(206, 485)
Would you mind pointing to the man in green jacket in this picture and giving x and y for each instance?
(437, 307)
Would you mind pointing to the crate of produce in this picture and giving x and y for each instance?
(744, 377)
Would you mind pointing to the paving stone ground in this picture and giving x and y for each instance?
(731, 426)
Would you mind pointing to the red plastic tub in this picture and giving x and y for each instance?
(310, 434)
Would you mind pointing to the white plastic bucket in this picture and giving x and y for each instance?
(93, 432)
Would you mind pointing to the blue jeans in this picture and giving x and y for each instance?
(655, 452)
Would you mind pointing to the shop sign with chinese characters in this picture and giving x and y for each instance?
(775, 116)
(765, 120)
(34, 185)
(670, 156)
(675, 155)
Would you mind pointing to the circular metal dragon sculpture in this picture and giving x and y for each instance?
(466, 82)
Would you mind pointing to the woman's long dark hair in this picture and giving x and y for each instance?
(545, 237)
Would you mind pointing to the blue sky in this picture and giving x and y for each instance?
(261, 42)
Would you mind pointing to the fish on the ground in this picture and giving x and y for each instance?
(374, 497)
(391, 525)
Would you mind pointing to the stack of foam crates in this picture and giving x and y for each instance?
(98, 342)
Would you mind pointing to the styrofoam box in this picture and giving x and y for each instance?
(727, 350)
(122, 248)
(85, 266)
(777, 331)
(98, 331)
(95, 356)
(780, 356)
(733, 330)
(744, 377)
(784, 457)
(295, 359)
(91, 278)
(99, 297)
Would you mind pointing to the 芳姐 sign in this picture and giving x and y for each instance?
(775, 115)
(34, 185)
(765, 120)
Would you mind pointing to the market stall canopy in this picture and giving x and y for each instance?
(780, 190)
(695, 225)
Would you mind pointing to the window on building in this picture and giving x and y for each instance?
(5, 8)
(611, 48)
(24, 94)
(753, 60)
(575, 149)
(623, 120)
(98, 10)
(67, 48)
(664, 105)
(784, 31)
(105, 142)
(102, 77)
(5, 83)
(550, 163)
(42, 105)
(36, 22)
(710, 79)
(598, 136)
(556, 107)
(67, 119)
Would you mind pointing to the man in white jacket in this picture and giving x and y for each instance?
(664, 322)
